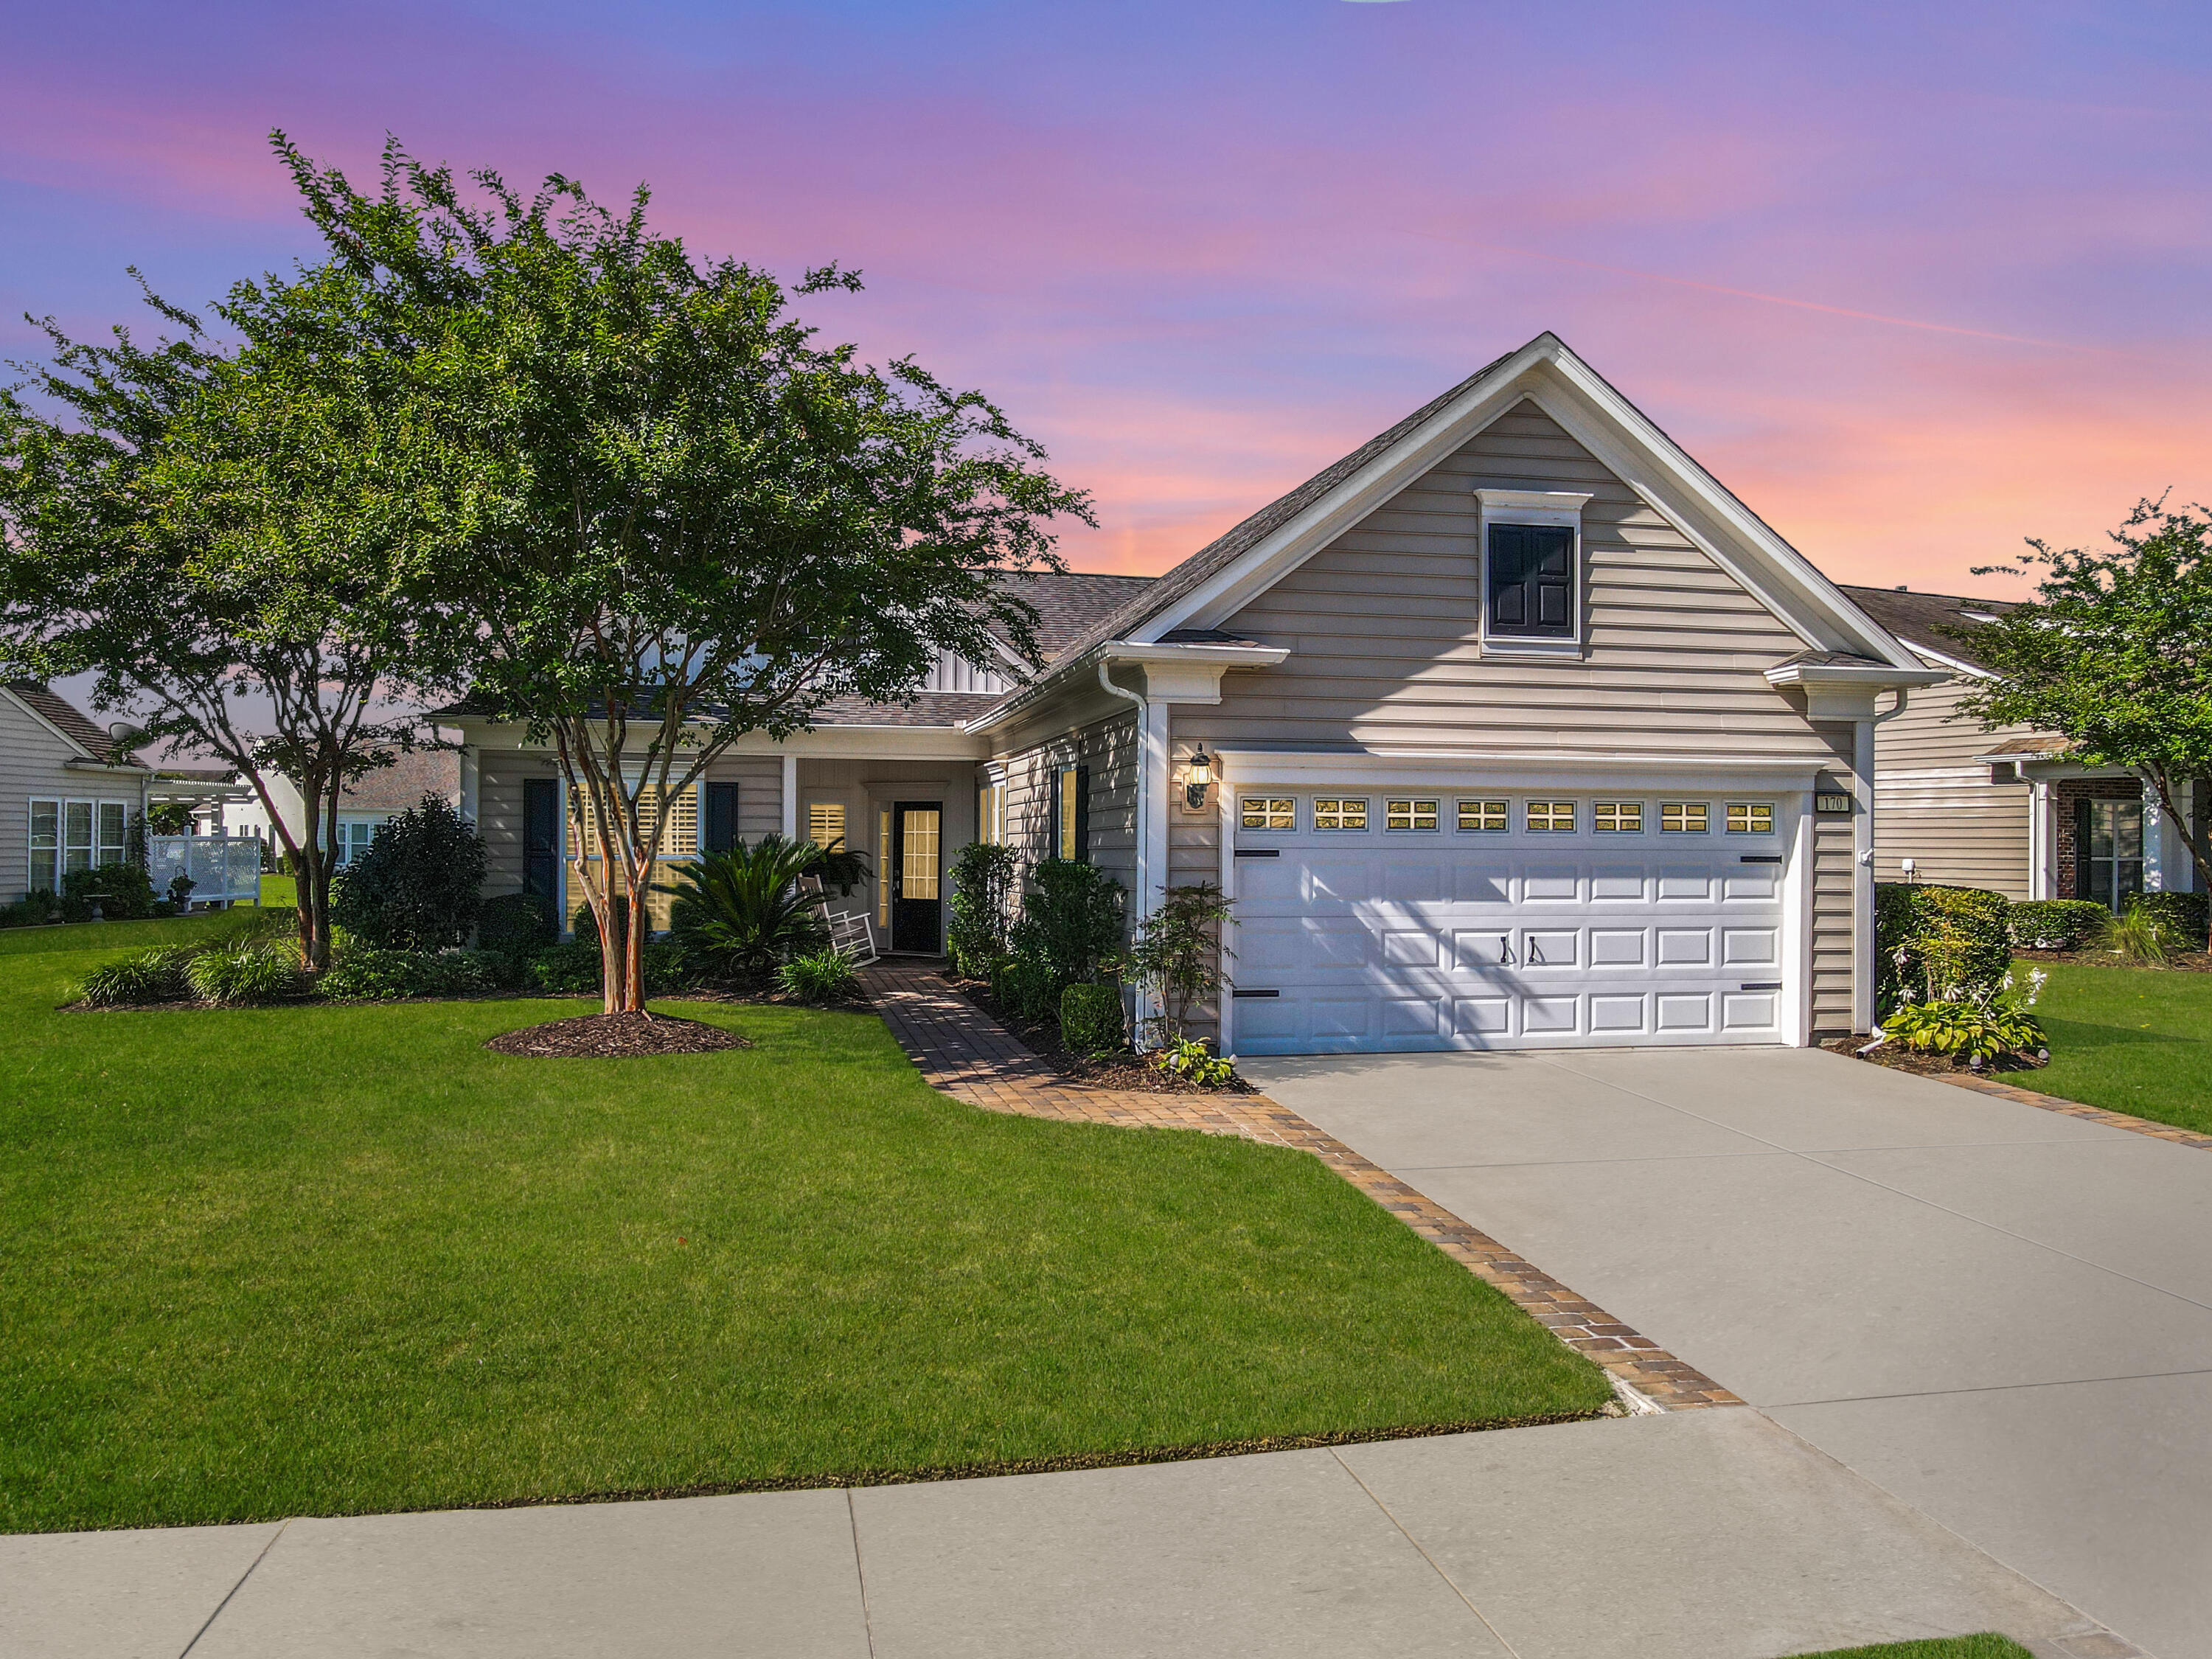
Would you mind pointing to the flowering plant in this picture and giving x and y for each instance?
(1976, 1026)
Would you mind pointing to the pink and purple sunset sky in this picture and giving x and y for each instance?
(1914, 281)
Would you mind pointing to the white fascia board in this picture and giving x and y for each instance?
(1021, 702)
(1874, 674)
(1278, 555)
(131, 770)
(41, 720)
(840, 742)
(1926, 654)
(1664, 473)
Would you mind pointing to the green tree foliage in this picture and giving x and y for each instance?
(1176, 956)
(414, 886)
(688, 520)
(2115, 655)
(196, 524)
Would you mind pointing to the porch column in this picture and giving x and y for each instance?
(1862, 942)
(790, 796)
(2042, 878)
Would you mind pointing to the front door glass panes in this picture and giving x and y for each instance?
(2116, 860)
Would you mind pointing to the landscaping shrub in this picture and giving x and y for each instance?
(125, 892)
(1195, 1062)
(151, 976)
(370, 973)
(1935, 943)
(2136, 936)
(1980, 1028)
(2180, 918)
(1090, 1020)
(824, 976)
(32, 910)
(574, 969)
(740, 914)
(516, 923)
(982, 900)
(414, 886)
(2057, 924)
(242, 974)
(585, 924)
(564, 970)
(1176, 956)
(1027, 986)
(1071, 919)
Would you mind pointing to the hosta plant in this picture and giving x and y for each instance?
(1195, 1062)
(1976, 1028)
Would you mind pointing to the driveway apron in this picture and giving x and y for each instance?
(2001, 1314)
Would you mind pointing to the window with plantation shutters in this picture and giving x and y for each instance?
(1530, 580)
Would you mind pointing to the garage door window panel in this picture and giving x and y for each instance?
(1617, 817)
(1411, 816)
(1340, 813)
(1268, 812)
(1486, 817)
(1750, 818)
(1551, 817)
(1682, 817)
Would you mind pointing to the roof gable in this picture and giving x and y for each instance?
(1209, 587)
(1920, 619)
(63, 718)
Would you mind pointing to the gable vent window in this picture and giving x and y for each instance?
(1531, 575)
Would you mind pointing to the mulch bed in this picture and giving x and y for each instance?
(2189, 962)
(1899, 1058)
(615, 1036)
(1126, 1072)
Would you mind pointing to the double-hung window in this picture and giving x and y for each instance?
(1071, 812)
(74, 834)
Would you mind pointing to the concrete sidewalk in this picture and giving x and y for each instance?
(1713, 1534)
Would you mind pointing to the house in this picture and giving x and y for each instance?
(365, 805)
(2006, 808)
(68, 796)
(1511, 728)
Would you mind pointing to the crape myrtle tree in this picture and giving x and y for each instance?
(214, 530)
(2114, 655)
(692, 521)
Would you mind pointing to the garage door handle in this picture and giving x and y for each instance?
(1259, 852)
(1241, 994)
(1760, 858)
(1760, 985)
(1504, 951)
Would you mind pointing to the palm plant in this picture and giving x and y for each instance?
(742, 912)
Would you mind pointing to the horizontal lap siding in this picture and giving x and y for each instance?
(1383, 630)
(1108, 748)
(501, 772)
(1936, 806)
(1835, 944)
(33, 767)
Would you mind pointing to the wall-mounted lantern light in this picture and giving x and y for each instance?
(1197, 779)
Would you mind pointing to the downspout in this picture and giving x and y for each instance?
(1862, 864)
(1143, 895)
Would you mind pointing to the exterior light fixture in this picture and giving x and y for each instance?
(1198, 778)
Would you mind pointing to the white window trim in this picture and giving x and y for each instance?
(1554, 508)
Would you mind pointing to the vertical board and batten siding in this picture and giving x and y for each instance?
(33, 766)
(1383, 629)
(501, 772)
(1935, 805)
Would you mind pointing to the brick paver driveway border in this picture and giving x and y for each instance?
(964, 1053)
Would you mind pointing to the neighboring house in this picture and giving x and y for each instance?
(364, 805)
(2004, 808)
(68, 796)
(1512, 728)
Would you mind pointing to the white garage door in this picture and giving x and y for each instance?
(1376, 920)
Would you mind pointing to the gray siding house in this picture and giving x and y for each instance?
(2005, 810)
(1513, 728)
(66, 801)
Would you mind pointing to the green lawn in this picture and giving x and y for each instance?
(279, 889)
(331, 1259)
(1947, 1646)
(2129, 1039)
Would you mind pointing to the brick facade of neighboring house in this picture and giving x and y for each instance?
(2064, 794)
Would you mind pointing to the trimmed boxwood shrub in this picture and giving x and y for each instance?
(368, 973)
(1027, 986)
(2180, 917)
(1090, 1020)
(415, 887)
(572, 970)
(517, 923)
(125, 891)
(2057, 924)
(1939, 942)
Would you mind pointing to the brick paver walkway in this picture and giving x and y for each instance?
(970, 1056)
(2137, 1126)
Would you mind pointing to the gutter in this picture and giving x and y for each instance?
(1142, 838)
(1112, 651)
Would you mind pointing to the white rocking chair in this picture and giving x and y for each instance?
(852, 933)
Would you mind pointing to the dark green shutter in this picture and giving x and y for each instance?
(1083, 815)
(541, 837)
(2082, 848)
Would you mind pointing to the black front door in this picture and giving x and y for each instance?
(917, 834)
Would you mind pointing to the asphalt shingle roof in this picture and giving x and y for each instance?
(60, 712)
(1919, 619)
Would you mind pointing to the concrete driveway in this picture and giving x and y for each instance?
(2003, 1315)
